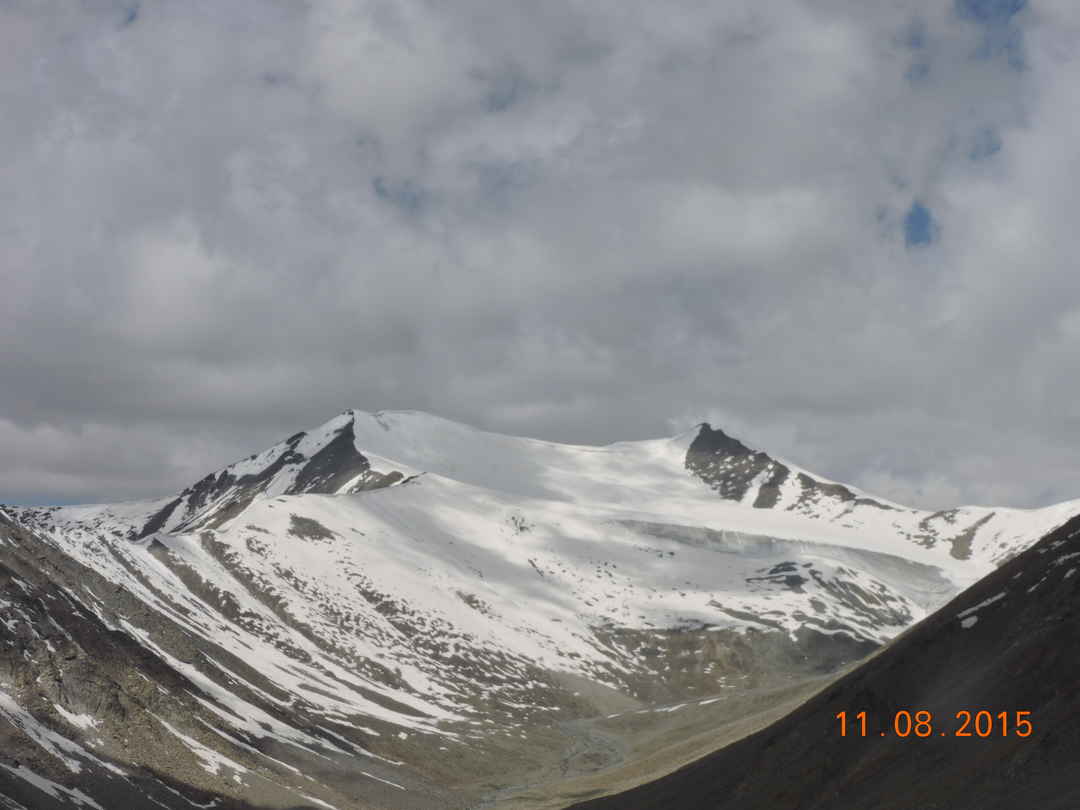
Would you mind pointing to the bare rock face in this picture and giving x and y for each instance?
(733, 470)
(335, 465)
(752, 477)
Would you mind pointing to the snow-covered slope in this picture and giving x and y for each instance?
(701, 478)
(991, 678)
(416, 589)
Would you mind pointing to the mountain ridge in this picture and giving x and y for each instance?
(339, 455)
(445, 599)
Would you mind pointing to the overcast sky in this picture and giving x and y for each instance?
(845, 231)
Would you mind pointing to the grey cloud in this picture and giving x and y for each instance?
(222, 224)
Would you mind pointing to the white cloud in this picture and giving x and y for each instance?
(569, 219)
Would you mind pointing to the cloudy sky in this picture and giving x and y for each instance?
(844, 231)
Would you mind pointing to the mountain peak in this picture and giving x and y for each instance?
(715, 440)
(322, 461)
(733, 469)
(739, 473)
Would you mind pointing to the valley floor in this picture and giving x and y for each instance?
(596, 757)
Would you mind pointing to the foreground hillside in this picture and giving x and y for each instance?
(397, 611)
(106, 702)
(1008, 644)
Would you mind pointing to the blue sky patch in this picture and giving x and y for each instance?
(915, 35)
(405, 194)
(1007, 41)
(989, 11)
(131, 14)
(919, 225)
(917, 72)
(985, 144)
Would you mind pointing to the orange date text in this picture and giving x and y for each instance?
(922, 724)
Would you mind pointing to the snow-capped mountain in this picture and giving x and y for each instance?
(431, 601)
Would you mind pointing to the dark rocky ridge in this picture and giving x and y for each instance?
(730, 467)
(333, 466)
(1020, 654)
